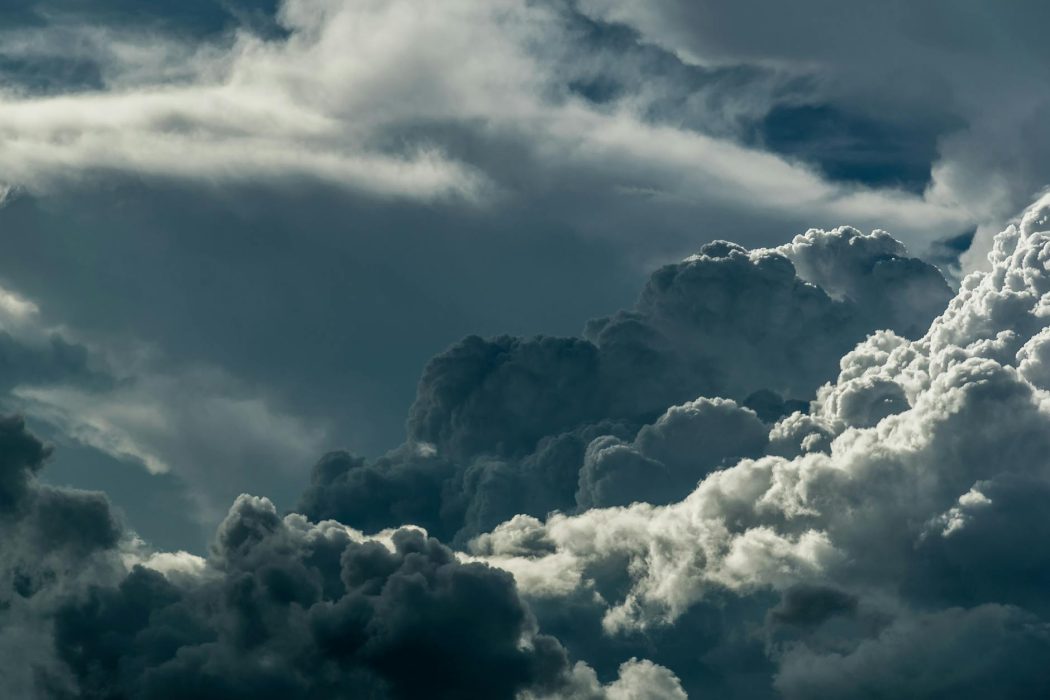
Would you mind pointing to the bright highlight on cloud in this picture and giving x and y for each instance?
(401, 99)
(885, 539)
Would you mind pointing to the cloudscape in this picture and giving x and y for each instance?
(524, 349)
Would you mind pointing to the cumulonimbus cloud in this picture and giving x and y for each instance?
(503, 426)
(913, 495)
(823, 552)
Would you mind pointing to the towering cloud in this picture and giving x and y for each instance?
(909, 508)
(889, 541)
(502, 426)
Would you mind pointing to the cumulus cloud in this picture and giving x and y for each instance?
(198, 423)
(879, 544)
(281, 607)
(668, 457)
(508, 425)
(55, 541)
(913, 514)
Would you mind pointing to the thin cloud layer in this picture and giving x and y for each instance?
(961, 69)
(197, 423)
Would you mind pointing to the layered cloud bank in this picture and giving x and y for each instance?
(781, 474)
(407, 100)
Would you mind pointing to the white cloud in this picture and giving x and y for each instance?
(343, 97)
(937, 467)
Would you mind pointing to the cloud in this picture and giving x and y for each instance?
(507, 425)
(668, 457)
(807, 562)
(959, 71)
(199, 423)
(34, 353)
(921, 656)
(913, 515)
(237, 436)
(55, 540)
(281, 607)
(386, 100)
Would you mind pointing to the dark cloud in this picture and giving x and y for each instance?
(194, 16)
(509, 425)
(898, 550)
(714, 491)
(851, 147)
(981, 652)
(308, 612)
(949, 93)
(53, 540)
(280, 608)
(51, 361)
(42, 518)
(877, 541)
(668, 457)
(809, 605)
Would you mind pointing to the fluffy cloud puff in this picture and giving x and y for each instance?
(879, 544)
(501, 426)
(907, 506)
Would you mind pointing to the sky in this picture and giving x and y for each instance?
(613, 349)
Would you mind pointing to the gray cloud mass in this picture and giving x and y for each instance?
(244, 237)
(506, 425)
(886, 541)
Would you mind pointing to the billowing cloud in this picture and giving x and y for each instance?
(54, 542)
(819, 556)
(280, 608)
(508, 425)
(797, 471)
(909, 509)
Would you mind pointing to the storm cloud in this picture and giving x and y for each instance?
(507, 425)
(280, 608)
(244, 237)
(908, 511)
(814, 554)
